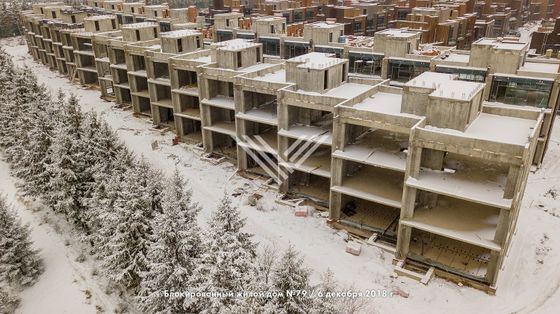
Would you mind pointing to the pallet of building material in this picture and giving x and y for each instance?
(417, 275)
(354, 247)
(303, 210)
(455, 278)
(374, 240)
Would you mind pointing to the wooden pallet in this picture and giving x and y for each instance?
(422, 271)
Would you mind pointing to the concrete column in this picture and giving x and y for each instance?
(205, 118)
(385, 68)
(408, 199)
(156, 120)
(240, 126)
(487, 87)
(511, 183)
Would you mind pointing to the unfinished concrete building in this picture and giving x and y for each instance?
(464, 179)
(224, 24)
(217, 93)
(511, 78)
(185, 70)
(101, 43)
(159, 82)
(82, 44)
(425, 152)
(140, 37)
(257, 119)
(305, 116)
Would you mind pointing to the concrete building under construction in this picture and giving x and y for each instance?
(422, 151)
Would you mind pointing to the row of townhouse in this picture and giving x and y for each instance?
(424, 152)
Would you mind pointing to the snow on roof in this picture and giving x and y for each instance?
(429, 80)
(274, 77)
(206, 59)
(445, 85)
(507, 45)
(155, 6)
(256, 67)
(382, 102)
(501, 128)
(99, 17)
(234, 44)
(456, 57)
(511, 46)
(139, 25)
(269, 18)
(323, 25)
(397, 32)
(458, 90)
(316, 60)
(180, 33)
(540, 67)
(348, 90)
(226, 15)
(491, 127)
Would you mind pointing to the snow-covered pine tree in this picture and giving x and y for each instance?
(28, 98)
(10, 11)
(71, 166)
(327, 286)
(91, 156)
(101, 216)
(126, 251)
(175, 252)
(37, 158)
(228, 261)
(20, 264)
(291, 275)
(8, 300)
(266, 261)
(7, 71)
(112, 160)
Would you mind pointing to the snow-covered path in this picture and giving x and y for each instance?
(61, 288)
(529, 283)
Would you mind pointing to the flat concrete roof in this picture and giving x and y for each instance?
(180, 33)
(324, 25)
(501, 128)
(397, 32)
(445, 85)
(496, 128)
(507, 45)
(540, 67)
(457, 90)
(348, 90)
(256, 67)
(99, 17)
(455, 57)
(139, 25)
(381, 102)
(429, 80)
(316, 60)
(234, 44)
(274, 77)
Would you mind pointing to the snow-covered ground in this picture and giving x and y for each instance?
(529, 282)
(66, 286)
